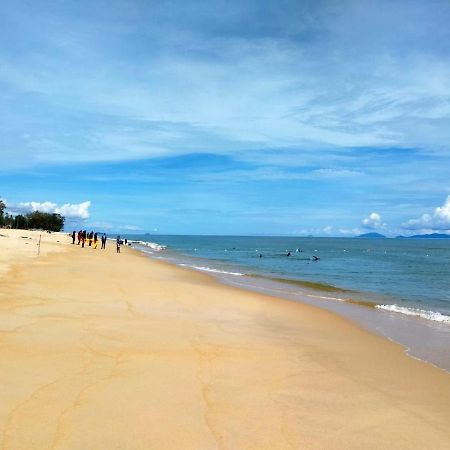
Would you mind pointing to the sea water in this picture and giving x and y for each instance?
(399, 288)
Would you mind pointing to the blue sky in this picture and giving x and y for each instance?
(302, 117)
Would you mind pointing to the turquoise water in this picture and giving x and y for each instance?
(409, 273)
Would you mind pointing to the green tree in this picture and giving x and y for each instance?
(20, 222)
(45, 221)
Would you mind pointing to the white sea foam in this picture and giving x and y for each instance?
(429, 315)
(153, 245)
(323, 297)
(209, 269)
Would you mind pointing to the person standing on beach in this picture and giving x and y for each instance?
(73, 237)
(83, 238)
(118, 241)
(103, 241)
(80, 233)
(95, 240)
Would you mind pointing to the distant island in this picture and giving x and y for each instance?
(371, 235)
(426, 236)
(415, 236)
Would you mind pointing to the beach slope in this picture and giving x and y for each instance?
(116, 351)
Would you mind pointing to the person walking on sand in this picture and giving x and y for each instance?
(118, 241)
(79, 236)
(73, 237)
(103, 241)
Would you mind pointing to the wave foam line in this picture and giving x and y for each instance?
(152, 245)
(323, 297)
(429, 315)
(209, 269)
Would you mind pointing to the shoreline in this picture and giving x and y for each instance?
(163, 357)
(389, 301)
(423, 339)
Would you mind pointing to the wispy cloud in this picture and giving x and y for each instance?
(310, 75)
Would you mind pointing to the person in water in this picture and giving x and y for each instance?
(288, 254)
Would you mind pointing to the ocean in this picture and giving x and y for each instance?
(399, 288)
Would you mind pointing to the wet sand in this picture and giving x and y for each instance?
(107, 351)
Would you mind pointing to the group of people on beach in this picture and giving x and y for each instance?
(91, 238)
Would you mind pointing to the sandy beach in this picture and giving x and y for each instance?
(116, 351)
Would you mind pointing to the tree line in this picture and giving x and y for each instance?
(34, 220)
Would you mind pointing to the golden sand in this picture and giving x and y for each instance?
(108, 351)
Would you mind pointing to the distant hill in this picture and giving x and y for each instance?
(427, 236)
(371, 235)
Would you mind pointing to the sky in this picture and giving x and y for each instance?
(329, 118)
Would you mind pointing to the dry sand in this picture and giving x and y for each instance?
(107, 351)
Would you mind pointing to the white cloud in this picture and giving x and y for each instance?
(46, 207)
(80, 210)
(373, 221)
(438, 220)
(350, 232)
(328, 229)
(68, 210)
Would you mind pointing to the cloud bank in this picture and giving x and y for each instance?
(439, 220)
(68, 210)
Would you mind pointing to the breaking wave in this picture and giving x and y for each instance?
(429, 315)
(209, 269)
(153, 245)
